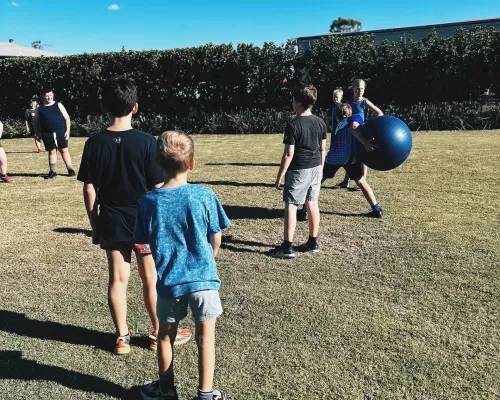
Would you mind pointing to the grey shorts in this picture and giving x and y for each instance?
(302, 185)
(205, 306)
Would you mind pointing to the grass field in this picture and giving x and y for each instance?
(403, 308)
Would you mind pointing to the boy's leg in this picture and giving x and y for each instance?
(3, 161)
(119, 273)
(313, 211)
(67, 160)
(355, 171)
(345, 183)
(166, 338)
(290, 222)
(147, 272)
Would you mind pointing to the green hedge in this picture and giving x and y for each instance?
(221, 88)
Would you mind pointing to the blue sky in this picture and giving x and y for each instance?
(72, 27)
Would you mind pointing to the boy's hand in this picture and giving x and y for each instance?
(369, 146)
(66, 135)
(277, 184)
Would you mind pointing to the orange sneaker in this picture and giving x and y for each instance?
(183, 336)
(122, 345)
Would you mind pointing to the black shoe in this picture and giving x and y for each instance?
(375, 214)
(282, 252)
(308, 247)
(51, 174)
(302, 215)
(343, 185)
(71, 172)
(355, 189)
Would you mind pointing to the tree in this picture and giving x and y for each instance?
(37, 44)
(345, 25)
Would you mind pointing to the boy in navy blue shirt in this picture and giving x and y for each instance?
(343, 154)
(180, 225)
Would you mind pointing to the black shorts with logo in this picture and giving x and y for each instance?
(54, 140)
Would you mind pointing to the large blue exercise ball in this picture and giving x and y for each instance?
(393, 140)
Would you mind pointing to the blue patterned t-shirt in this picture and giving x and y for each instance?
(343, 143)
(177, 223)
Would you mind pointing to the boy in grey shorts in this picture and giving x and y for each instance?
(302, 168)
(181, 227)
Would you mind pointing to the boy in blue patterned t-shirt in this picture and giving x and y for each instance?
(181, 226)
(343, 154)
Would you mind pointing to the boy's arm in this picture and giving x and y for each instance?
(374, 108)
(66, 118)
(323, 152)
(26, 121)
(356, 131)
(285, 163)
(90, 200)
(216, 240)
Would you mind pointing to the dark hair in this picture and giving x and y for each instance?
(306, 95)
(119, 95)
(47, 90)
(343, 111)
(34, 98)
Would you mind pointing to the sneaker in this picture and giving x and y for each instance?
(122, 345)
(355, 189)
(217, 395)
(152, 391)
(51, 174)
(6, 179)
(302, 215)
(39, 151)
(308, 247)
(71, 172)
(282, 252)
(375, 214)
(343, 185)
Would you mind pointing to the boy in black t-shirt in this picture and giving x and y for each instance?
(118, 166)
(302, 167)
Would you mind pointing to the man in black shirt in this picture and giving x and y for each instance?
(302, 168)
(118, 166)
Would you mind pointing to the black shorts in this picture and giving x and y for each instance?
(354, 171)
(54, 140)
(111, 244)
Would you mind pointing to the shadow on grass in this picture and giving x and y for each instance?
(77, 231)
(20, 324)
(13, 366)
(347, 214)
(237, 184)
(237, 164)
(245, 212)
(29, 175)
(228, 243)
(21, 152)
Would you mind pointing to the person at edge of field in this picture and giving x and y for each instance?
(52, 125)
(29, 118)
(4, 178)
(301, 167)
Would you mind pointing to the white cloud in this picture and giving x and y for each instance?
(114, 7)
(14, 4)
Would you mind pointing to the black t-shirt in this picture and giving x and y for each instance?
(30, 115)
(306, 133)
(122, 167)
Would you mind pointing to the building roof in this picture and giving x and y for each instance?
(15, 50)
(469, 23)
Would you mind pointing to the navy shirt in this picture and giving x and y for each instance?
(51, 118)
(176, 223)
(343, 144)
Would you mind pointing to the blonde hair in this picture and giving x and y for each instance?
(343, 111)
(339, 91)
(175, 151)
(356, 82)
